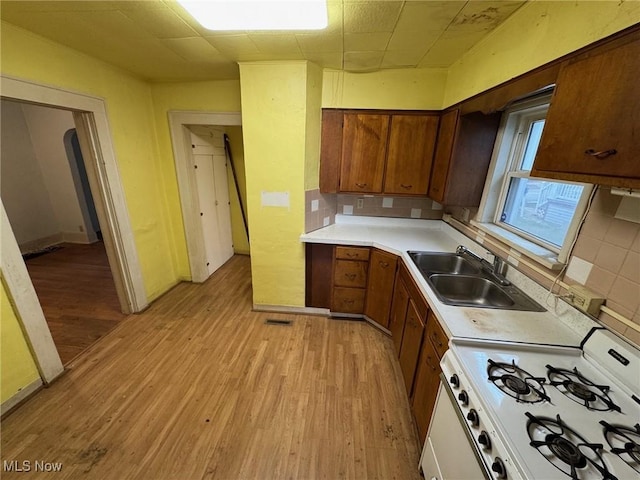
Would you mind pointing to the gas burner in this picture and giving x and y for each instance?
(565, 449)
(516, 382)
(624, 442)
(580, 389)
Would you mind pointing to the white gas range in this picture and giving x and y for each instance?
(528, 411)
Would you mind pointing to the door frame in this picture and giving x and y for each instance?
(181, 142)
(94, 133)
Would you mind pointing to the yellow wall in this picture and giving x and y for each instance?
(209, 96)
(17, 367)
(535, 34)
(405, 89)
(314, 119)
(148, 190)
(274, 123)
(240, 240)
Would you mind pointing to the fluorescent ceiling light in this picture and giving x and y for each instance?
(258, 14)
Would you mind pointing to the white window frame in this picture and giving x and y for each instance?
(508, 152)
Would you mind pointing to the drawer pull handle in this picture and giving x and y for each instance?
(435, 338)
(361, 185)
(352, 255)
(602, 154)
(350, 276)
(383, 264)
(406, 187)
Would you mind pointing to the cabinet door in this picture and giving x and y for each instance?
(364, 150)
(398, 313)
(411, 343)
(382, 273)
(412, 140)
(442, 158)
(594, 111)
(330, 150)
(425, 389)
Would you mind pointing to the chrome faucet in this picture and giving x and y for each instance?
(497, 271)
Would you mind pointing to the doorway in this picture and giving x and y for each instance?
(90, 120)
(51, 210)
(196, 137)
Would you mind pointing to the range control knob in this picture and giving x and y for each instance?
(472, 416)
(484, 440)
(454, 380)
(464, 398)
(499, 468)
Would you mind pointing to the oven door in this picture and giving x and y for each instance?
(448, 452)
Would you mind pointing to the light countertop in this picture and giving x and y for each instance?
(558, 326)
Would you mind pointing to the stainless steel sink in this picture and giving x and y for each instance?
(472, 291)
(433, 262)
(460, 280)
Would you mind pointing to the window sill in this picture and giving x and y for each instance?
(529, 249)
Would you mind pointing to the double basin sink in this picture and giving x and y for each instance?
(458, 280)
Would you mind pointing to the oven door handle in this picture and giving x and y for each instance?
(465, 427)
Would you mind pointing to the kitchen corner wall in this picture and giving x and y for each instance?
(280, 113)
(605, 259)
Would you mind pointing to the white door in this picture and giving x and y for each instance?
(210, 165)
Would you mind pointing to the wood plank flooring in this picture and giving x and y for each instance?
(199, 387)
(75, 287)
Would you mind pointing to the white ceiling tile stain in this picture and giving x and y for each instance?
(158, 41)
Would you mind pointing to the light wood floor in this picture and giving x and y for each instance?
(199, 387)
(75, 287)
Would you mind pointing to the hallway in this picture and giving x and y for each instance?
(199, 387)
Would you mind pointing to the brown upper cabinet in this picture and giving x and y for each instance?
(464, 149)
(591, 131)
(377, 151)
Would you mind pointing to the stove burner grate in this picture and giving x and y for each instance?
(580, 389)
(624, 442)
(564, 448)
(516, 382)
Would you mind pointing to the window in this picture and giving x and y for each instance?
(534, 215)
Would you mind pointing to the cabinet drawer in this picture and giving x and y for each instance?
(352, 253)
(350, 274)
(436, 335)
(348, 300)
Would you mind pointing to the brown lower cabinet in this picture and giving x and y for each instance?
(382, 274)
(411, 344)
(425, 388)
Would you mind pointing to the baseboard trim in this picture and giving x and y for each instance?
(377, 325)
(21, 396)
(41, 243)
(261, 307)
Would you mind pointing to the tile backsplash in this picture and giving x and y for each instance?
(321, 208)
(387, 206)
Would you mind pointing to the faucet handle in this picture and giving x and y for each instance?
(461, 249)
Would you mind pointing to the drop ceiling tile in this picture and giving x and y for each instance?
(408, 40)
(266, 57)
(363, 17)
(326, 60)
(233, 45)
(195, 49)
(396, 59)
(161, 22)
(278, 44)
(320, 43)
(421, 16)
(115, 24)
(483, 16)
(58, 6)
(366, 41)
(362, 61)
(449, 49)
